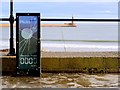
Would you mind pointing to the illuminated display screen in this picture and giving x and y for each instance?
(28, 42)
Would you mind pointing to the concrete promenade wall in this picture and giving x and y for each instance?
(68, 64)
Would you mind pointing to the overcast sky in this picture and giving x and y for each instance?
(58, 8)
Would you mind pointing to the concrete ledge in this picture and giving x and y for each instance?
(67, 64)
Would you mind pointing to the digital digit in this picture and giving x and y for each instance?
(30, 61)
(26, 60)
(21, 60)
(35, 60)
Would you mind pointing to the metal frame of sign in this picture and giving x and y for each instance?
(28, 44)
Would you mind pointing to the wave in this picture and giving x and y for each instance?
(79, 46)
(71, 46)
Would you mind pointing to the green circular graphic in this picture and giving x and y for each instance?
(27, 33)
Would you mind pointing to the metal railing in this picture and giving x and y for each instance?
(11, 19)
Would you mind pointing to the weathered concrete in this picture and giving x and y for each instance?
(68, 64)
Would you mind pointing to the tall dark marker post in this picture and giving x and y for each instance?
(11, 20)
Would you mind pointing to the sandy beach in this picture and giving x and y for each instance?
(71, 54)
(79, 54)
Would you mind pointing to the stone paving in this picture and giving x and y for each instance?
(62, 80)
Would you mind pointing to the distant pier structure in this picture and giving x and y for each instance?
(72, 20)
(72, 24)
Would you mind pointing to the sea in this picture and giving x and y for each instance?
(85, 37)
